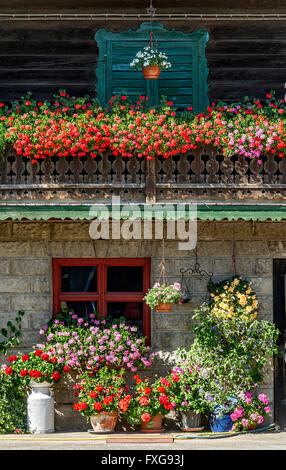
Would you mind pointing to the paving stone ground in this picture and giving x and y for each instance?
(273, 440)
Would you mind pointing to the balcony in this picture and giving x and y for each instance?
(203, 175)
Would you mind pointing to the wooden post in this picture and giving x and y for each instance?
(150, 189)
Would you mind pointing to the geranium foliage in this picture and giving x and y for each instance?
(70, 126)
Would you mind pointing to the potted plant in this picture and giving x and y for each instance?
(92, 342)
(185, 389)
(250, 412)
(151, 61)
(36, 372)
(103, 395)
(150, 404)
(161, 297)
(220, 418)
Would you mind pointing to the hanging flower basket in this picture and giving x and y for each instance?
(151, 61)
(161, 297)
(152, 72)
(164, 307)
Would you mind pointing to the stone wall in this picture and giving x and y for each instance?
(27, 249)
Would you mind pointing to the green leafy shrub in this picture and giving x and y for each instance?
(12, 405)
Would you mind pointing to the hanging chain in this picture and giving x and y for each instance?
(233, 252)
(163, 276)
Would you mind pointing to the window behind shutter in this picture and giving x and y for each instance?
(185, 83)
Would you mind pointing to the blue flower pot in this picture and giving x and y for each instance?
(220, 423)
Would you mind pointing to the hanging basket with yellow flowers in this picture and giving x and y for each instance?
(233, 298)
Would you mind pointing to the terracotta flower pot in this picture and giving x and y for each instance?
(104, 422)
(153, 426)
(163, 307)
(152, 72)
(251, 427)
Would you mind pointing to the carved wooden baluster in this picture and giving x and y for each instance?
(47, 168)
(169, 167)
(282, 168)
(18, 167)
(133, 166)
(5, 166)
(62, 167)
(33, 170)
(227, 167)
(212, 166)
(118, 167)
(184, 167)
(270, 167)
(104, 166)
(241, 170)
(256, 176)
(90, 166)
(76, 167)
(198, 165)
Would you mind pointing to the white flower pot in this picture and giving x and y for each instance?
(40, 408)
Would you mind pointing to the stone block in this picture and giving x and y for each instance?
(30, 267)
(170, 341)
(14, 285)
(68, 419)
(31, 303)
(215, 247)
(40, 285)
(263, 285)
(6, 230)
(265, 303)
(39, 248)
(251, 248)
(14, 249)
(4, 303)
(56, 249)
(38, 320)
(70, 231)
(263, 266)
(275, 247)
(4, 266)
(31, 230)
(171, 321)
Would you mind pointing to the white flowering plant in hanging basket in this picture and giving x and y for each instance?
(161, 297)
(151, 61)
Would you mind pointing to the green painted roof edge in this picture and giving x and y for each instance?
(204, 212)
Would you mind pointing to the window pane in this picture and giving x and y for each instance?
(81, 308)
(125, 279)
(131, 311)
(79, 278)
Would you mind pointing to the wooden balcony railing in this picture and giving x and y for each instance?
(204, 174)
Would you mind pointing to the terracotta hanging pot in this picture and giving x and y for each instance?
(162, 307)
(104, 422)
(152, 72)
(153, 426)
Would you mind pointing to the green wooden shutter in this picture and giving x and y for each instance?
(185, 83)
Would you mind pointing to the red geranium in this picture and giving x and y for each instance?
(145, 417)
(56, 375)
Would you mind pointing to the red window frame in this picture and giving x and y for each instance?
(102, 296)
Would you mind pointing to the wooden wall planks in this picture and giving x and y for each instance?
(244, 58)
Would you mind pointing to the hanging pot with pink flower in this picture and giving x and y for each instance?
(161, 297)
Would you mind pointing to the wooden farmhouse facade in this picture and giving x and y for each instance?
(219, 53)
